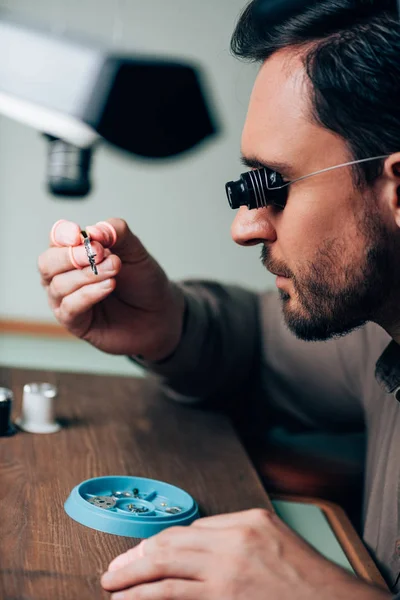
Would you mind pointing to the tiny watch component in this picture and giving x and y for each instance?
(137, 509)
(89, 251)
(105, 502)
(117, 494)
(173, 510)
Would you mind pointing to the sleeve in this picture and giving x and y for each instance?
(219, 348)
(236, 348)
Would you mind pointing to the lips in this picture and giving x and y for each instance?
(269, 265)
(278, 274)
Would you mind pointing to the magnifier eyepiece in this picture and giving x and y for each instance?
(255, 189)
(237, 193)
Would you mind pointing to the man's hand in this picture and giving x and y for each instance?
(250, 555)
(130, 307)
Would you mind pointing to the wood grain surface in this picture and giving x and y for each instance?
(111, 426)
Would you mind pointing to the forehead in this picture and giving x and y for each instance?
(279, 126)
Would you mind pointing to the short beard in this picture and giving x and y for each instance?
(335, 298)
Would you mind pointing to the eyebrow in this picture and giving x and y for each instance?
(255, 163)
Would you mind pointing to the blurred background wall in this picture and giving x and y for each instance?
(177, 207)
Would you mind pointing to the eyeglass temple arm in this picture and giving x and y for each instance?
(347, 164)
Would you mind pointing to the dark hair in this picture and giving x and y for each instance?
(353, 65)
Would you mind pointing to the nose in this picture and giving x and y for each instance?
(251, 227)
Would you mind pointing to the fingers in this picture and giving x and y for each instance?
(67, 283)
(103, 232)
(78, 303)
(161, 590)
(126, 245)
(72, 287)
(66, 250)
(233, 519)
(127, 557)
(176, 564)
(182, 538)
(197, 538)
(59, 260)
(67, 233)
(169, 542)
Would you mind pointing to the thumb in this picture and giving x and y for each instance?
(116, 233)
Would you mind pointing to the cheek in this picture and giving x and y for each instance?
(302, 230)
(310, 226)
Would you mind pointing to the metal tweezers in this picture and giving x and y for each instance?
(89, 251)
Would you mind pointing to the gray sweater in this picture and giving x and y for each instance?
(236, 347)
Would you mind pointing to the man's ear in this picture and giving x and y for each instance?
(391, 185)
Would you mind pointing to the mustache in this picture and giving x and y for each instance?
(272, 265)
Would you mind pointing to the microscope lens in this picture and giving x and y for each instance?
(68, 169)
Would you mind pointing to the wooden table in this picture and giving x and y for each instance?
(112, 426)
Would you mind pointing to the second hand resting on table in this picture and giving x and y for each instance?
(240, 556)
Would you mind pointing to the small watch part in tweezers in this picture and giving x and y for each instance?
(89, 251)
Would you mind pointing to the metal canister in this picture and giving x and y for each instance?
(6, 400)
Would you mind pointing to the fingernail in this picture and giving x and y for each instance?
(103, 232)
(106, 577)
(118, 596)
(52, 232)
(106, 265)
(118, 562)
(126, 557)
(94, 231)
(73, 259)
(107, 283)
(111, 233)
(65, 233)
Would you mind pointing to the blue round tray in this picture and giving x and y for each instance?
(130, 506)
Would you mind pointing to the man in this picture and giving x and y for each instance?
(326, 95)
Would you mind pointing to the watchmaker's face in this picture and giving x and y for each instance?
(331, 244)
